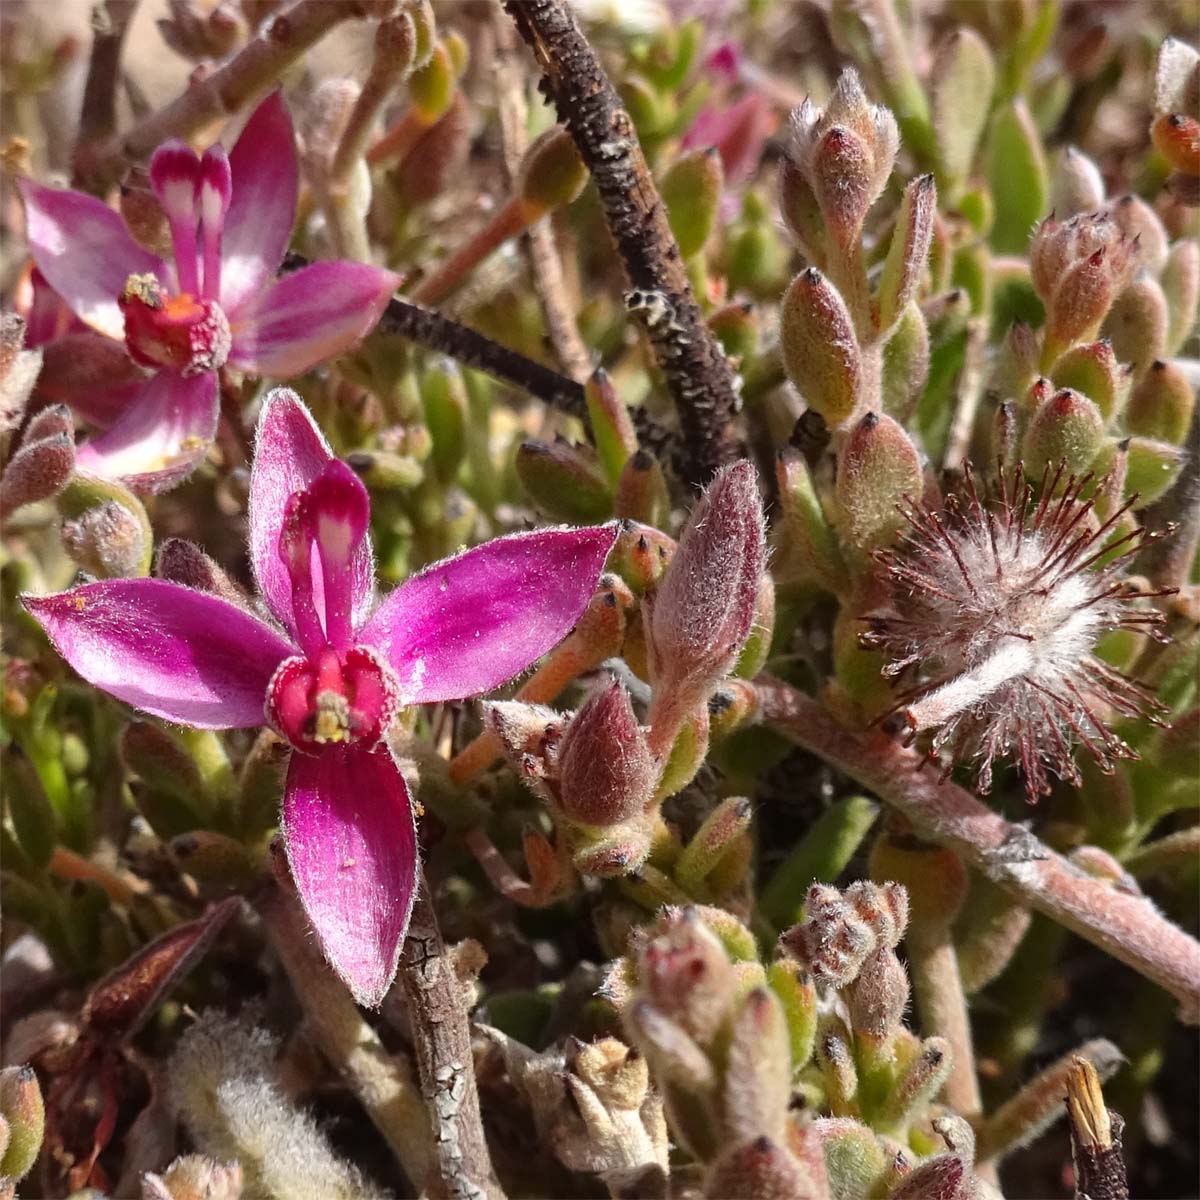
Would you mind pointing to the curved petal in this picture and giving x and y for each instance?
(182, 655)
(85, 252)
(469, 623)
(289, 455)
(309, 316)
(92, 374)
(161, 437)
(262, 207)
(352, 845)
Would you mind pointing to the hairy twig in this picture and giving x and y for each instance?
(383, 1082)
(462, 1166)
(283, 41)
(98, 115)
(695, 369)
(1128, 927)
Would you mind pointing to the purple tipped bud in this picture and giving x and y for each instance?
(704, 607)
(878, 468)
(1069, 429)
(760, 1169)
(1162, 404)
(564, 481)
(606, 772)
(686, 974)
(1093, 369)
(820, 348)
(841, 169)
(42, 465)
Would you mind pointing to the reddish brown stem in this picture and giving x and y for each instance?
(1126, 926)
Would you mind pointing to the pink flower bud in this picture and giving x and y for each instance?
(704, 608)
(606, 772)
(760, 1169)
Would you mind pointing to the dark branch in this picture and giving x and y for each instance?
(694, 367)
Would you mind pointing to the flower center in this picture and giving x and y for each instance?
(182, 332)
(333, 700)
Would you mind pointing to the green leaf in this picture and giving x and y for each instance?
(1016, 172)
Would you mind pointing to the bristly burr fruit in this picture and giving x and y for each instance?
(997, 603)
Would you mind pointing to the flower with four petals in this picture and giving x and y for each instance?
(331, 667)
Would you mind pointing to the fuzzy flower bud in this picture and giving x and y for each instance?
(1181, 289)
(841, 930)
(704, 607)
(877, 469)
(23, 1114)
(1176, 136)
(1162, 404)
(42, 464)
(1078, 268)
(760, 1169)
(1092, 368)
(552, 173)
(691, 191)
(1076, 185)
(909, 250)
(1068, 428)
(686, 974)
(820, 348)
(1137, 323)
(1177, 77)
(564, 481)
(846, 153)
(605, 771)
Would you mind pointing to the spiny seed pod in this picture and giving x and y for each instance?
(997, 602)
(605, 770)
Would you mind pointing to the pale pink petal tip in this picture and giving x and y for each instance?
(309, 317)
(351, 844)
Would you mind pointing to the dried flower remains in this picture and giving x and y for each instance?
(997, 604)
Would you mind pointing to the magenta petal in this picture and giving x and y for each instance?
(309, 316)
(352, 846)
(262, 207)
(174, 652)
(469, 623)
(290, 453)
(83, 249)
(159, 440)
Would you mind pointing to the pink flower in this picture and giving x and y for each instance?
(217, 303)
(333, 669)
(739, 132)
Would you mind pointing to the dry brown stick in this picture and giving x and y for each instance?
(695, 370)
(98, 115)
(1126, 926)
(537, 243)
(246, 76)
(462, 1166)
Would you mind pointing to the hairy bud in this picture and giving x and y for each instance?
(820, 348)
(43, 462)
(552, 174)
(877, 469)
(760, 1169)
(1180, 283)
(23, 1114)
(691, 191)
(1076, 184)
(1137, 323)
(564, 481)
(704, 607)
(1162, 404)
(1068, 428)
(605, 771)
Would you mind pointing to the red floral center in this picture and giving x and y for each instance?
(182, 332)
(331, 701)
